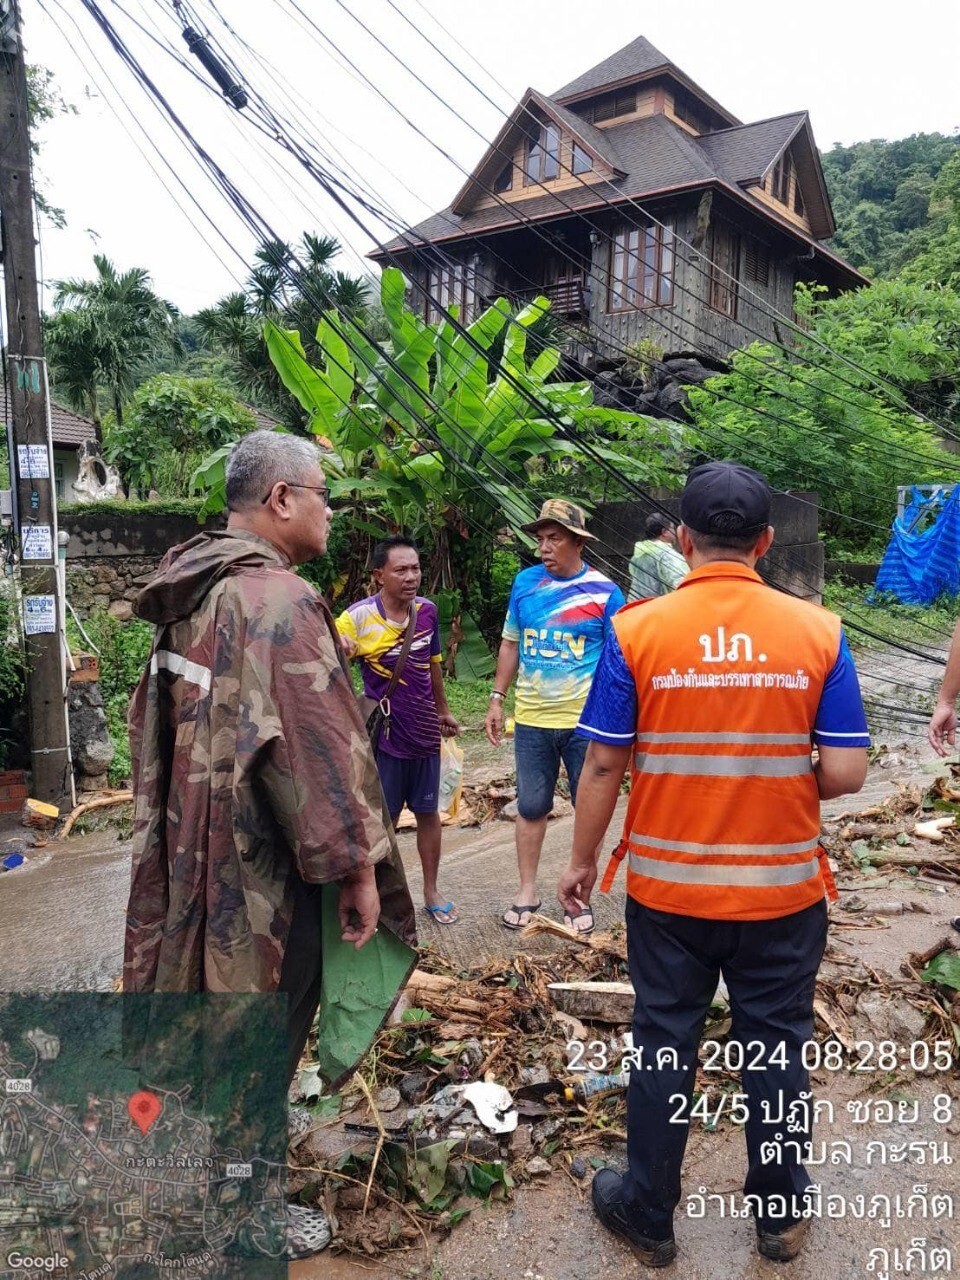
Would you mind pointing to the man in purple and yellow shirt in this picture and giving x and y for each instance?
(408, 756)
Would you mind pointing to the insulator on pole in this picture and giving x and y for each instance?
(197, 44)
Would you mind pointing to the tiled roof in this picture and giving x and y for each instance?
(653, 153)
(746, 152)
(634, 59)
(69, 429)
(656, 156)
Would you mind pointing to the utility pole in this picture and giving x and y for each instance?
(31, 470)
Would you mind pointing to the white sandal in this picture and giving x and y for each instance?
(308, 1231)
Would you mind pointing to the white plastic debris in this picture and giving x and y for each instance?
(493, 1105)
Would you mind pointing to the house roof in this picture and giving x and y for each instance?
(655, 157)
(638, 60)
(69, 429)
(634, 59)
(531, 107)
(745, 152)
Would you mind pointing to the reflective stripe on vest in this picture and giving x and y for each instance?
(718, 766)
(703, 873)
(726, 850)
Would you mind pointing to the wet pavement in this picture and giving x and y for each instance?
(61, 928)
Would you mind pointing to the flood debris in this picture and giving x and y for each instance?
(482, 1082)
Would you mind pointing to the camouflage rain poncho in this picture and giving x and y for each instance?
(250, 763)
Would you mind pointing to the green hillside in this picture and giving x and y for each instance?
(895, 201)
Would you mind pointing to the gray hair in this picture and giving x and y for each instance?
(258, 460)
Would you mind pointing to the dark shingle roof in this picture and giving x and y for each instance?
(653, 153)
(634, 59)
(745, 152)
(69, 429)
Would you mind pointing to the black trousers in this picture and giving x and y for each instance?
(301, 970)
(770, 968)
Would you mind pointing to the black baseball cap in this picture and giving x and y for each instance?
(725, 498)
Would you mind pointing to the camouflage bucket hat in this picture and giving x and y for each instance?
(560, 511)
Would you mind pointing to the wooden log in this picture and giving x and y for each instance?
(435, 989)
(104, 802)
(916, 858)
(594, 1001)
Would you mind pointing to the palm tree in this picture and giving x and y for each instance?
(293, 288)
(124, 321)
(73, 348)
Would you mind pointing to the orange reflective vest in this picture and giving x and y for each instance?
(723, 820)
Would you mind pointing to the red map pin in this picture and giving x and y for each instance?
(144, 1109)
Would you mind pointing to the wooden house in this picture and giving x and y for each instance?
(641, 207)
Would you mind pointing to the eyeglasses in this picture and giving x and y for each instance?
(317, 488)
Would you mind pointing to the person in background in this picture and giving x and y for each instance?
(942, 731)
(254, 781)
(559, 614)
(656, 565)
(715, 694)
(408, 749)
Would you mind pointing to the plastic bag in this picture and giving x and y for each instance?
(451, 777)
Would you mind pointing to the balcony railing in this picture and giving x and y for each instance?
(568, 296)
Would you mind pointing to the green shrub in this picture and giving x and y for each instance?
(12, 673)
(123, 650)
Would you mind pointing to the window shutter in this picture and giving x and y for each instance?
(757, 262)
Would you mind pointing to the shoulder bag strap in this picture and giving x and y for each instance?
(402, 659)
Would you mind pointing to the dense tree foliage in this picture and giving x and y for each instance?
(170, 424)
(102, 331)
(884, 199)
(292, 288)
(834, 415)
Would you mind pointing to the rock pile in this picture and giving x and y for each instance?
(656, 387)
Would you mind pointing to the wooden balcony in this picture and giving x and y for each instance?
(568, 295)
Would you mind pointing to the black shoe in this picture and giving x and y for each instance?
(608, 1203)
(783, 1246)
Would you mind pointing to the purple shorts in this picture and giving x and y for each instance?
(414, 782)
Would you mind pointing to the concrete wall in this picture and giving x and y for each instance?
(111, 557)
(794, 562)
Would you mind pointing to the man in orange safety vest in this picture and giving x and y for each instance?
(717, 695)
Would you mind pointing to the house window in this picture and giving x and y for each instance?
(580, 161)
(623, 102)
(641, 268)
(724, 270)
(543, 155)
(757, 262)
(58, 480)
(451, 285)
(684, 109)
(780, 181)
(504, 179)
(797, 199)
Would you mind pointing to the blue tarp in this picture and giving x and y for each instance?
(918, 567)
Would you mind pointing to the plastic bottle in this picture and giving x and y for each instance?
(591, 1083)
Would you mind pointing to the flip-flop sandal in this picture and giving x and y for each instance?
(434, 911)
(585, 914)
(510, 924)
(308, 1231)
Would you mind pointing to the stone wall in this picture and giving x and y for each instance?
(794, 562)
(111, 557)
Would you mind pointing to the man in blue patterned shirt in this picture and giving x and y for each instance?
(557, 620)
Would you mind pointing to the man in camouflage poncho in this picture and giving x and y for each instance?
(254, 780)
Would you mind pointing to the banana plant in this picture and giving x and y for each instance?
(431, 435)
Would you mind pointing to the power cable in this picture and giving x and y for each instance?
(248, 211)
